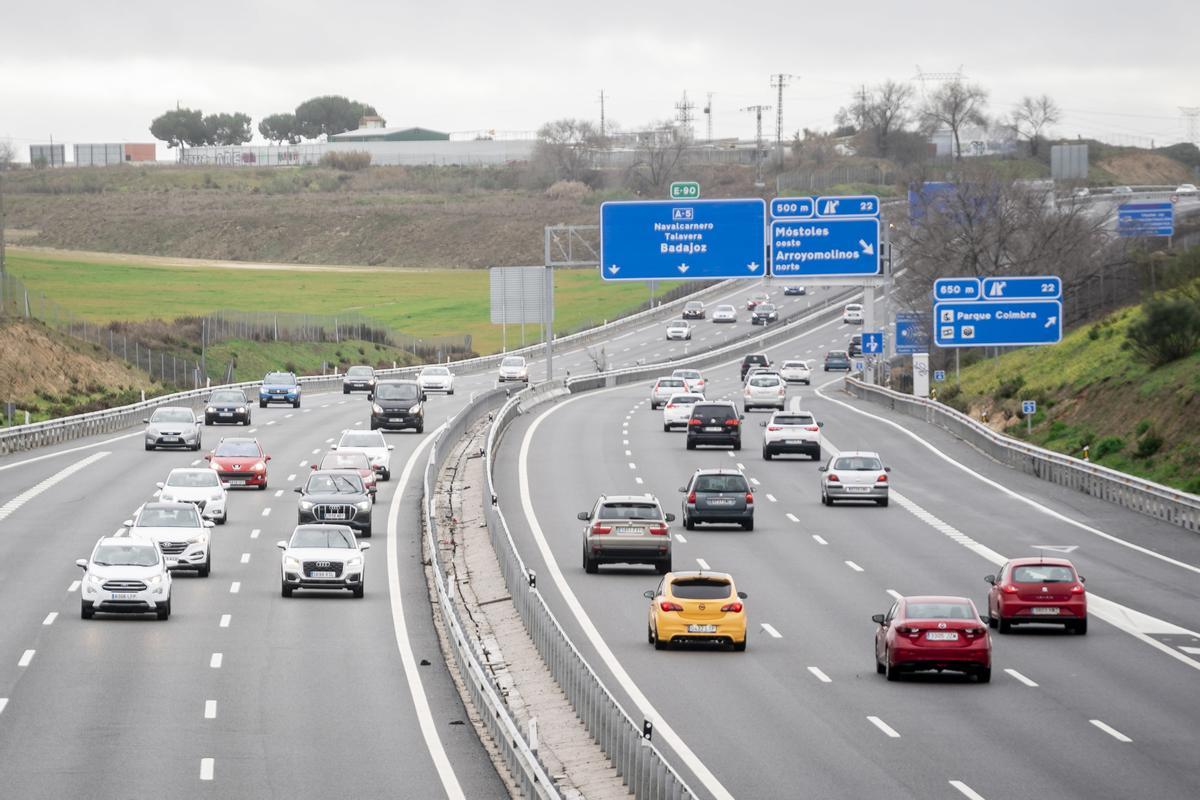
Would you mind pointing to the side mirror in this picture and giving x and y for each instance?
(683, 489)
(298, 490)
(145, 422)
(1082, 579)
(822, 469)
(985, 619)
(370, 396)
(584, 515)
(128, 523)
(81, 563)
(752, 490)
(160, 484)
(208, 456)
(282, 545)
(820, 424)
(224, 485)
(741, 416)
(648, 594)
(391, 447)
(990, 579)
(670, 517)
(266, 458)
(313, 467)
(742, 595)
(364, 545)
(424, 397)
(887, 469)
(879, 618)
(333, 447)
(208, 523)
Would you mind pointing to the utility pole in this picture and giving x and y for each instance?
(758, 112)
(708, 114)
(683, 113)
(1191, 119)
(601, 113)
(778, 82)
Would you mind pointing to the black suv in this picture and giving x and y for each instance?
(227, 405)
(715, 423)
(397, 405)
(693, 309)
(754, 360)
(855, 347)
(718, 495)
(764, 313)
(335, 496)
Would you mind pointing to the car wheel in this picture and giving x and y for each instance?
(879, 669)
(984, 675)
(366, 534)
(991, 619)
(649, 635)
(374, 426)
(450, 392)
(284, 589)
(263, 488)
(207, 421)
(387, 473)
(205, 570)
(816, 456)
(197, 447)
(748, 526)
(691, 445)
(737, 445)
(689, 523)
(589, 564)
(87, 609)
(164, 610)
(261, 404)
(1080, 627)
(1003, 625)
(149, 447)
(666, 428)
(421, 428)
(766, 454)
(740, 647)
(659, 644)
(345, 390)
(360, 590)
(883, 502)
(296, 404)
(890, 671)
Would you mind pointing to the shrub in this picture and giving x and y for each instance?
(351, 161)
(1010, 387)
(1168, 329)
(1094, 332)
(568, 190)
(1148, 445)
(1107, 446)
(1142, 427)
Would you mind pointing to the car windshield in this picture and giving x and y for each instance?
(333, 538)
(435, 371)
(694, 305)
(677, 323)
(940, 611)
(766, 307)
(792, 419)
(630, 511)
(247, 449)
(700, 589)
(396, 391)
(720, 483)
(858, 464)
(346, 461)
(835, 355)
(173, 415)
(227, 397)
(667, 383)
(193, 477)
(721, 412)
(686, 374)
(334, 484)
(280, 378)
(764, 380)
(133, 554)
(364, 439)
(360, 372)
(184, 517)
(795, 365)
(725, 309)
(513, 361)
(1043, 573)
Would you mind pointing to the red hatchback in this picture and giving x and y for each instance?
(357, 461)
(240, 462)
(932, 633)
(1044, 590)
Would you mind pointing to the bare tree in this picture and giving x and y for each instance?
(955, 105)
(661, 152)
(8, 155)
(1033, 115)
(888, 112)
(566, 149)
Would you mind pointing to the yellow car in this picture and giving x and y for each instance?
(696, 607)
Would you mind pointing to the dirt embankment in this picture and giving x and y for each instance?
(1146, 169)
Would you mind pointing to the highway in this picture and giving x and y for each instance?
(802, 713)
(241, 693)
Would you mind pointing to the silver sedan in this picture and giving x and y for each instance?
(173, 426)
(858, 475)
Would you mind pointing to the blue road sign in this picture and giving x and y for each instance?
(688, 239)
(859, 366)
(792, 207)
(824, 247)
(859, 205)
(1028, 407)
(997, 322)
(912, 333)
(1146, 219)
(956, 289)
(1037, 287)
(872, 343)
(939, 375)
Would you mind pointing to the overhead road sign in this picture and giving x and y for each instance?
(678, 239)
(912, 333)
(518, 295)
(872, 343)
(956, 289)
(685, 190)
(1037, 287)
(803, 248)
(997, 323)
(791, 207)
(1146, 219)
(859, 205)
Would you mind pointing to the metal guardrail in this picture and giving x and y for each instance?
(1136, 494)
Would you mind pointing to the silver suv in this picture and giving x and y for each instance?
(626, 529)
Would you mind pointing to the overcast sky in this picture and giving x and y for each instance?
(101, 70)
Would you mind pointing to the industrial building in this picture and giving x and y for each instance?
(371, 133)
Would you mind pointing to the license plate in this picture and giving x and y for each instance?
(335, 515)
(236, 483)
(226, 413)
(794, 441)
(942, 636)
(1046, 612)
(395, 419)
(713, 430)
(322, 575)
(170, 438)
(702, 628)
(630, 531)
(859, 489)
(124, 596)
(721, 501)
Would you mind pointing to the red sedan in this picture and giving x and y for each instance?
(357, 461)
(1046, 590)
(240, 462)
(932, 633)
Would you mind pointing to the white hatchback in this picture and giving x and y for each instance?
(764, 389)
(373, 445)
(679, 329)
(678, 410)
(852, 314)
(724, 313)
(436, 379)
(198, 486)
(662, 390)
(796, 372)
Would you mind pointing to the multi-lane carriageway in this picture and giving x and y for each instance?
(245, 694)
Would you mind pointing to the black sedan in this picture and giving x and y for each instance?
(764, 313)
(227, 405)
(336, 496)
(795, 290)
(837, 361)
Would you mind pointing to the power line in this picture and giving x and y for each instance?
(778, 82)
(683, 112)
(1191, 119)
(758, 112)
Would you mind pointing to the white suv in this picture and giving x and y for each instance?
(796, 371)
(679, 329)
(322, 557)
(125, 576)
(678, 410)
(662, 390)
(178, 531)
(198, 486)
(764, 389)
(373, 445)
(852, 314)
(792, 431)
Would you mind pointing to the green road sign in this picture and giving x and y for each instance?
(685, 190)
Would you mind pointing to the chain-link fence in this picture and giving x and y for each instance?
(804, 181)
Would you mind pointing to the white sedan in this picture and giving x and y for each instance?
(514, 368)
(853, 314)
(436, 379)
(679, 329)
(1187, 188)
(724, 313)
(322, 557)
(373, 445)
(678, 410)
(198, 486)
(796, 371)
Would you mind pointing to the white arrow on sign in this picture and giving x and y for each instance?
(752, 266)
(614, 269)
(1050, 322)
(683, 268)
(1057, 548)
(868, 249)
(998, 288)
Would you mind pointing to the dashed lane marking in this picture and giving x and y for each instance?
(703, 564)
(210, 709)
(245, 558)
(818, 539)
(793, 517)
(279, 492)
(206, 769)
(883, 726)
(966, 791)
(266, 512)
(3, 704)
(771, 497)
(1110, 730)
(639, 480)
(291, 477)
(216, 659)
(225, 620)
(254, 533)
(1021, 677)
(679, 537)
(774, 634)
(73, 587)
(854, 566)
(821, 676)
(895, 595)
(26, 657)
(49, 620)
(235, 587)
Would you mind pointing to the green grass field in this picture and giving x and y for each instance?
(417, 302)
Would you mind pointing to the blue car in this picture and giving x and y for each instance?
(279, 387)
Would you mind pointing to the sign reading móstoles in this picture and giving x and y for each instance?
(685, 190)
(801, 248)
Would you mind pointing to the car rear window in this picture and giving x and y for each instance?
(669, 382)
(793, 419)
(700, 589)
(685, 399)
(687, 374)
(630, 511)
(858, 464)
(723, 412)
(837, 355)
(1043, 573)
(764, 380)
(940, 611)
(795, 365)
(720, 483)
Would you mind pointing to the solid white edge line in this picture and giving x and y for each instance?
(661, 726)
(883, 726)
(820, 675)
(416, 688)
(967, 791)
(3, 704)
(1020, 677)
(1110, 730)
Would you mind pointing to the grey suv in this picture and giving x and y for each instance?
(718, 495)
(626, 529)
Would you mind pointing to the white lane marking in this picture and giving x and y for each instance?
(817, 538)
(33, 491)
(883, 726)
(771, 497)
(1110, 730)
(854, 566)
(3, 703)
(325, 406)
(245, 558)
(632, 465)
(679, 537)
(1195, 651)
(206, 769)
(266, 512)
(1021, 677)
(821, 676)
(793, 517)
(771, 631)
(703, 564)
(740, 465)
(730, 454)
(664, 729)
(215, 661)
(628, 453)
(279, 492)
(252, 430)
(197, 461)
(289, 416)
(225, 620)
(291, 477)
(235, 587)
(429, 729)
(254, 533)
(624, 441)
(304, 463)
(639, 480)
(26, 657)
(305, 410)
(73, 587)
(271, 422)
(210, 709)
(314, 452)
(157, 492)
(327, 441)
(49, 620)
(895, 595)
(967, 791)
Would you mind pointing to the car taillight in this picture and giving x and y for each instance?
(670, 405)
(732, 608)
(659, 530)
(882, 478)
(598, 528)
(833, 477)
(782, 391)
(811, 428)
(692, 497)
(749, 498)
(1008, 589)
(1077, 589)
(694, 421)
(732, 421)
(975, 631)
(667, 605)
(908, 630)
(774, 428)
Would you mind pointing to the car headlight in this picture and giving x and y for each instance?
(198, 540)
(364, 505)
(376, 408)
(414, 409)
(241, 409)
(371, 381)
(354, 562)
(306, 505)
(210, 410)
(216, 496)
(260, 467)
(291, 562)
(154, 580)
(95, 581)
(152, 431)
